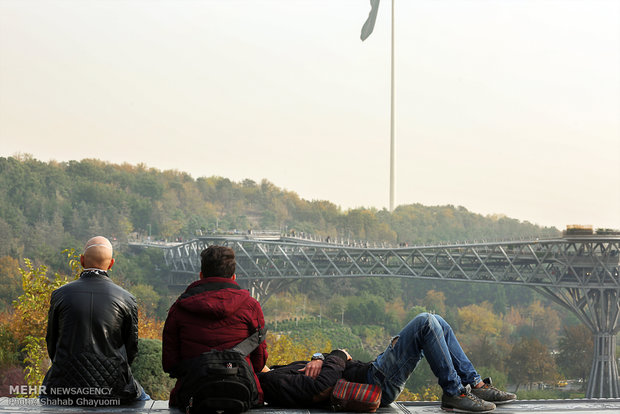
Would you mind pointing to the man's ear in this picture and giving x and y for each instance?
(82, 260)
(111, 263)
(201, 276)
(234, 276)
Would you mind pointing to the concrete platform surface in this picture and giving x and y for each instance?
(580, 406)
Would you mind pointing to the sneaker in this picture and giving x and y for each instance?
(466, 402)
(489, 393)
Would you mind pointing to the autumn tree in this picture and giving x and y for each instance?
(31, 311)
(435, 301)
(407, 395)
(9, 345)
(31, 318)
(479, 328)
(396, 307)
(530, 361)
(149, 327)
(429, 393)
(282, 350)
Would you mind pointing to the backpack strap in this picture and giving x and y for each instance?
(244, 347)
(250, 343)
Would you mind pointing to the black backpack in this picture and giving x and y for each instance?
(220, 380)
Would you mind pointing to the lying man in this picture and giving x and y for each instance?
(428, 336)
(289, 386)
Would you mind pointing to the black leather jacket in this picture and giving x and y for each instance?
(92, 339)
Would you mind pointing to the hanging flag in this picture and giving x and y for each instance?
(369, 25)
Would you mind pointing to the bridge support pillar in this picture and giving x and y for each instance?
(603, 381)
(599, 310)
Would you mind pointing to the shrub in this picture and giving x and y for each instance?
(148, 371)
(9, 347)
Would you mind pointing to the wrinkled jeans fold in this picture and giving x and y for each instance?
(428, 336)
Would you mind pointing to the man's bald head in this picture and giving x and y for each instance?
(97, 254)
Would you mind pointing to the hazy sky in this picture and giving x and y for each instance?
(509, 107)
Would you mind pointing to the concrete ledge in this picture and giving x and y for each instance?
(33, 405)
(579, 406)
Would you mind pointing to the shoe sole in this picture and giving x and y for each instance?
(459, 410)
(503, 402)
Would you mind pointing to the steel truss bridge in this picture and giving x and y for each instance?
(578, 272)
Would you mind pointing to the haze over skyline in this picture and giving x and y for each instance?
(508, 107)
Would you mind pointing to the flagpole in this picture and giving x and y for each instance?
(367, 28)
(392, 118)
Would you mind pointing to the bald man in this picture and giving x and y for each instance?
(92, 337)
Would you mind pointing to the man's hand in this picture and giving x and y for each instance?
(313, 368)
(265, 369)
(347, 354)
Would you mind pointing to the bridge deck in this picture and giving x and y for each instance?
(17, 405)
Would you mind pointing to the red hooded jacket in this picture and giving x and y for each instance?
(215, 319)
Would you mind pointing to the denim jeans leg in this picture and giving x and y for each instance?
(463, 366)
(144, 396)
(422, 337)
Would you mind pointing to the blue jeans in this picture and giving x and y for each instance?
(428, 336)
(143, 396)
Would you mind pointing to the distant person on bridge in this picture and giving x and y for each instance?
(429, 336)
(92, 337)
(213, 313)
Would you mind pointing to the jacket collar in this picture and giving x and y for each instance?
(93, 272)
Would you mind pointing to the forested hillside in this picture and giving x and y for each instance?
(47, 207)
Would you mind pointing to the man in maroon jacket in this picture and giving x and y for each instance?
(213, 313)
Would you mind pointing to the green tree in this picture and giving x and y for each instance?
(415, 311)
(336, 308)
(575, 351)
(9, 345)
(367, 309)
(545, 322)
(10, 281)
(147, 298)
